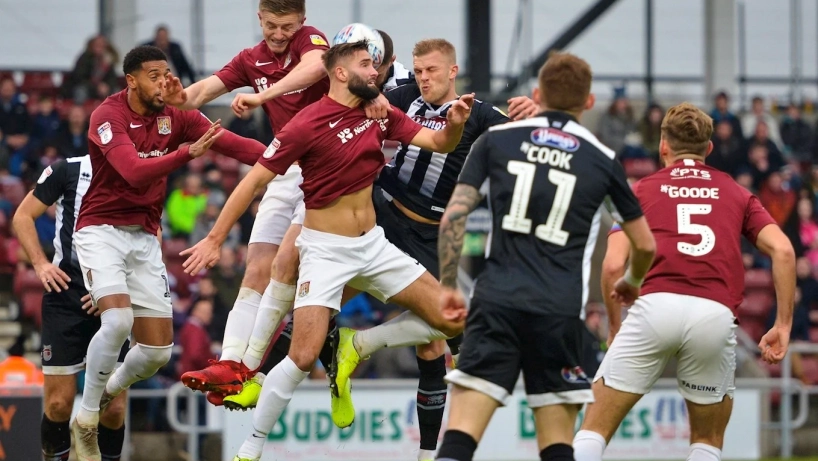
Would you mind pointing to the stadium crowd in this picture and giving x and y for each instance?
(770, 150)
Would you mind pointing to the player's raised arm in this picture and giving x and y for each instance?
(229, 144)
(445, 140)
(194, 96)
(613, 268)
(772, 242)
(307, 72)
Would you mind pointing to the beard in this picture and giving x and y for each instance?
(149, 102)
(360, 88)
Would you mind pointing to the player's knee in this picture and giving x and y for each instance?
(285, 266)
(58, 406)
(114, 415)
(156, 356)
(117, 323)
(432, 350)
(303, 357)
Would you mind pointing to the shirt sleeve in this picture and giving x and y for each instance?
(400, 127)
(233, 74)
(52, 183)
(616, 227)
(108, 129)
(310, 39)
(287, 148)
(756, 218)
(403, 96)
(476, 167)
(623, 204)
(491, 115)
(229, 144)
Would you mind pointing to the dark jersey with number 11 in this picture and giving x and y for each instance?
(548, 178)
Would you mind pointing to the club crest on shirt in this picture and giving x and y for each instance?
(163, 125)
(304, 289)
(105, 133)
(46, 353)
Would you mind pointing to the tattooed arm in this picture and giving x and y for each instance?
(452, 227)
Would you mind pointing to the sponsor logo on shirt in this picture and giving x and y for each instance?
(272, 148)
(85, 176)
(163, 125)
(45, 174)
(679, 173)
(261, 84)
(554, 138)
(153, 153)
(105, 133)
(436, 123)
(347, 134)
(317, 40)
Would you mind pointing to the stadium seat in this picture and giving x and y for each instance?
(171, 249)
(758, 279)
(754, 328)
(639, 167)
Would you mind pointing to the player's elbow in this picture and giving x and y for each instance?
(644, 246)
(20, 219)
(782, 252)
(613, 269)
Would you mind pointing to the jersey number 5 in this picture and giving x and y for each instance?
(683, 215)
(515, 220)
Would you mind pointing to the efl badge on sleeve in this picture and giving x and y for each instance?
(318, 40)
(304, 289)
(105, 133)
(46, 353)
(163, 125)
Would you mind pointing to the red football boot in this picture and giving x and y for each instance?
(224, 377)
(215, 398)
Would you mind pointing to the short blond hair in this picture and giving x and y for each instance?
(565, 82)
(424, 47)
(687, 129)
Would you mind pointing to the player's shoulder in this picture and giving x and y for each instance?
(309, 34)
(113, 107)
(488, 111)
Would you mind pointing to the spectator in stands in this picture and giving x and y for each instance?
(759, 115)
(206, 220)
(650, 129)
(179, 65)
(721, 113)
(194, 338)
(15, 370)
(94, 75)
(617, 123)
(227, 275)
(15, 123)
(761, 136)
(808, 230)
(185, 204)
(246, 126)
(46, 121)
(726, 154)
(207, 291)
(11, 187)
(72, 139)
(778, 198)
(796, 135)
(758, 165)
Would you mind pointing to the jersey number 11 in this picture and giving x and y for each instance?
(516, 221)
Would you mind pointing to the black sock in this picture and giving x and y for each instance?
(110, 442)
(457, 446)
(454, 344)
(326, 354)
(56, 439)
(557, 452)
(431, 400)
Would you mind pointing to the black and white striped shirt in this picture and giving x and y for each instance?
(398, 75)
(423, 180)
(65, 183)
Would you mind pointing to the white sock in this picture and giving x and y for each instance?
(703, 452)
(103, 350)
(588, 446)
(425, 455)
(406, 329)
(276, 393)
(275, 304)
(240, 323)
(140, 363)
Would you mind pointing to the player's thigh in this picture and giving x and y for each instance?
(650, 335)
(707, 359)
(310, 326)
(152, 331)
(418, 240)
(708, 422)
(490, 361)
(551, 358)
(285, 264)
(326, 266)
(275, 212)
(103, 252)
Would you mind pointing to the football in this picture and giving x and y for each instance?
(355, 33)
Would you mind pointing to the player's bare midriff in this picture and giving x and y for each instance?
(412, 215)
(351, 215)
